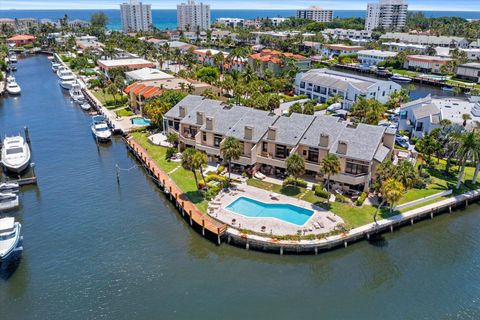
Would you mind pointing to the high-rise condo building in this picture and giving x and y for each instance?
(136, 16)
(316, 13)
(389, 14)
(192, 16)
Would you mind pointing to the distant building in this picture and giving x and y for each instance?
(147, 74)
(355, 36)
(136, 16)
(389, 14)
(192, 16)
(231, 22)
(374, 57)
(425, 63)
(21, 39)
(275, 61)
(130, 64)
(316, 14)
(469, 71)
(425, 40)
(331, 50)
(277, 21)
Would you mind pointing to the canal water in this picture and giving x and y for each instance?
(98, 250)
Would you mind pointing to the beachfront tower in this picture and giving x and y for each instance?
(193, 16)
(389, 14)
(136, 16)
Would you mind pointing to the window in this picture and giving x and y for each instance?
(217, 139)
(313, 155)
(419, 126)
(356, 168)
(204, 136)
(281, 151)
(170, 123)
(264, 146)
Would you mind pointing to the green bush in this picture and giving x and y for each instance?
(361, 199)
(212, 192)
(220, 169)
(319, 192)
(341, 198)
(170, 152)
(294, 182)
(414, 140)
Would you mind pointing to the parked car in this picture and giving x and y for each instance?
(334, 107)
(402, 141)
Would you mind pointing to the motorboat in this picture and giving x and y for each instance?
(447, 88)
(9, 237)
(67, 84)
(8, 200)
(61, 69)
(12, 58)
(9, 187)
(399, 78)
(15, 154)
(76, 93)
(64, 73)
(55, 66)
(12, 67)
(100, 129)
(85, 106)
(12, 86)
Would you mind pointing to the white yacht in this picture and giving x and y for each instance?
(76, 93)
(55, 66)
(9, 237)
(12, 86)
(100, 129)
(15, 154)
(85, 106)
(399, 78)
(8, 201)
(9, 187)
(12, 58)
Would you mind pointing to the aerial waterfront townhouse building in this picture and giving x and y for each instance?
(389, 14)
(426, 40)
(355, 36)
(374, 57)
(321, 84)
(136, 16)
(316, 14)
(331, 50)
(193, 16)
(267, 139)
(469, 71)
(425, 63)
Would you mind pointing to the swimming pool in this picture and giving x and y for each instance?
(141, 121)
(282, 211)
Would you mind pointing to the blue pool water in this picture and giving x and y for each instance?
(283, 211)
(141, 121)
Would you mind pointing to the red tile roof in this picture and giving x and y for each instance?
(21, 37)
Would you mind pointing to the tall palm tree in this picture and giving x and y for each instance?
(295, 166)
(231, 149)
(391, 191)
(199, 161)
(188, 163)
(329, 166)
(469, 149)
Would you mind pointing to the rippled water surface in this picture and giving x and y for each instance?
(96, 250)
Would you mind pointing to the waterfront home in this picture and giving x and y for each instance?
(469, 71)
(206, 56)
(182, 46)
(423, 63)
(84, 42)
(331, 50)
(426, 40)
(144, 90)
(374, 57)
(400, 46)
(147, 74)
(421, 116)
(127, 64)
(320, 84)
(276, 61)
(21, 40)
(355, 36)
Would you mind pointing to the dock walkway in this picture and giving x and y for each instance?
(184, 205)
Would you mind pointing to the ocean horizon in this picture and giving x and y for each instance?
(167, 18)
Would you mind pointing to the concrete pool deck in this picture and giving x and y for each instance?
(322, 221)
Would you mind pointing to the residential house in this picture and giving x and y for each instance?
(331, 50)
(147, 74)
(355, 36)
(127, 64)
(21, 40)
(276, 61)
(425, 63)
(469, 71)
(321, 84)
(374, 57)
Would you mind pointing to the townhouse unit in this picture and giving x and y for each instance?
(469, 71)
(473, 54)
(126, 64)
(421, 116)
(331, 50)
(206, 56)
(426, 40)
(267, 139)
(276, 61)
(321, 84)
(374, 57)
(474, 44)
(401, 46)
(356, 36)
(425, 63)
(230, 22)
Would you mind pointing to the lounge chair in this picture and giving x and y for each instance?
(259, 175)
(316, 225)
(274, 195)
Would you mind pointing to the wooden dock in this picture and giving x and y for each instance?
(188, 209)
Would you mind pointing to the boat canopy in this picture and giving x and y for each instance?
(7, 224)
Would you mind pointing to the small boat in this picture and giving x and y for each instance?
(85, 106)
(8, 201)
(67, 84)
(66, 78)
(51, 58)
(76, 93)
(9, 237)
(100, 129)
(399, 78)
(9, 187)
(12, 67)
(12, 58)
(447, 88)
(55, 66)
(15, 154)
(12, 86)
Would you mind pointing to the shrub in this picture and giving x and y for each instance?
(170, 152)
(361, 199)
(341, 198)
(414, 140)
(294, 182)
(212, 192)
(319, 192)
(220, 169)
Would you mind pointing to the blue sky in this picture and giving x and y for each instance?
(437, 5)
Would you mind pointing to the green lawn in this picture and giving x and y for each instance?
(406, 72)
(183, 178)
(124, 112)
(107, 97)
(424, 204)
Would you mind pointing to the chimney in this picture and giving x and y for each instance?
(199, 118)
(182, 111)
(324, 139)
(209, 123)
(272, 133)
(342, 147)
(248, 133)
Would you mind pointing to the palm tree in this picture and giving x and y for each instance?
(391, 191)
(172, 138)
(469, 149)
(295, 166)
(199, 161)
(329, 166)
(231, 149)
(188, 163)
(465, 118)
